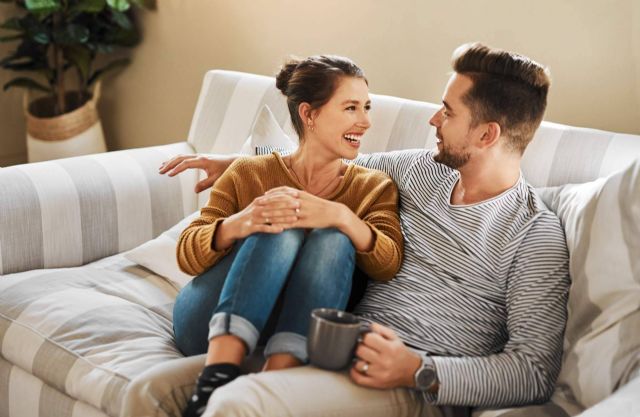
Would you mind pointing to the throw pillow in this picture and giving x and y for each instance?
(266, 132)
(601, 220)
(159, 254)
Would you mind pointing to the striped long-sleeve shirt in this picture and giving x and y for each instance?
(482, 286)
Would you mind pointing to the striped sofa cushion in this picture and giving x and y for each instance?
(230, 101)
(88, 332)
(70, 212)
(24, 395)
(602, 339)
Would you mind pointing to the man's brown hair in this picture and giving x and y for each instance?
(508, 89)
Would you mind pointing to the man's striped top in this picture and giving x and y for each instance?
(482, 286)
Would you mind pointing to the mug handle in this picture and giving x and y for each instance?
(364, 329)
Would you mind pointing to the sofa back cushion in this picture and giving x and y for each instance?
(601, 220)
(230, 101)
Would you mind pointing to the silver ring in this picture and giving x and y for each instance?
(365, 368)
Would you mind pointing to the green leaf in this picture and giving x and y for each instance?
(122, 37)
(42, 6)
(147, 4)
(113, 65)
(119, 5)
(12, 23)
(10, 38)
(41, 37)
(88, 6)
(71, 34)
(122, 20)
(24, 82)
(38, 31)
(80, 57)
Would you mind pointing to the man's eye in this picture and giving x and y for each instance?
(351, 108)
(367, 107)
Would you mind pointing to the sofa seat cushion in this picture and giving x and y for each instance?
(88, 331)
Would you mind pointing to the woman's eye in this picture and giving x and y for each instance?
(367, 107)
(351, 108)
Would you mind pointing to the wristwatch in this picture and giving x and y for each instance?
(426, 376)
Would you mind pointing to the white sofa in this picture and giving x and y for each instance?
(85, 332)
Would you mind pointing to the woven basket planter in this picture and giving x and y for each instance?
(78, 132)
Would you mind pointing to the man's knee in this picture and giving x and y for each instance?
(240, 398)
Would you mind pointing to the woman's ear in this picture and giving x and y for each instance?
(307, 115)
(304, 112)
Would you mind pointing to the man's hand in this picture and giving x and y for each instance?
(386, 359)
(212, 165)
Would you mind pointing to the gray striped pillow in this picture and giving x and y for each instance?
(602, 225)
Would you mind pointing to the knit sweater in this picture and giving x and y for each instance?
(370, 194)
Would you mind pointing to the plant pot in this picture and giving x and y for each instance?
(78, 132)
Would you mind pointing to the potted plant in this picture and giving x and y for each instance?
(59, 46)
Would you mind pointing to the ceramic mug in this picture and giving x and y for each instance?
(333, 337)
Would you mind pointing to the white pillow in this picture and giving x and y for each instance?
(159, 254)
(601, 220)
(266, 132)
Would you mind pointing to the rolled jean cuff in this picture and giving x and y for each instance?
(288, 342)
(226, 323)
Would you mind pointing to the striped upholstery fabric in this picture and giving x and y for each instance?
(36, 398)
(559, 154)
(70, 212)
(602, 226)
(86, 333)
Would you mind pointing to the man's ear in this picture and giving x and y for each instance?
(490, 134)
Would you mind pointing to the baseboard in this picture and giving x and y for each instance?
(13, 159)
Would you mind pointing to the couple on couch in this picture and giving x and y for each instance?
(470, 312)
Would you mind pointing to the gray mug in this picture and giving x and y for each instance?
(333, 337)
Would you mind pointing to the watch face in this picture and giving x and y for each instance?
(426, 377)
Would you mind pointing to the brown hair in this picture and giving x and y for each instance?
(313, 80)
(508, 89)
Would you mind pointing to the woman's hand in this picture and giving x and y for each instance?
(212, 165)
(317, 213)
(311, 212)
(265, 214)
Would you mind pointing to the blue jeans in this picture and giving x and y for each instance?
(238, 294)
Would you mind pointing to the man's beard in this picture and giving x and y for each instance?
(451, 159)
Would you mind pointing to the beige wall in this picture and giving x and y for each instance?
(591, 47)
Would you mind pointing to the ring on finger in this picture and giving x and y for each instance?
(365, 368)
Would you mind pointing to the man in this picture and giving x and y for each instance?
(476, 314)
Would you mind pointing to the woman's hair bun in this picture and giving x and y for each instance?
(285, 74)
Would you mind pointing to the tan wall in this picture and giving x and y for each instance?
(591, 47)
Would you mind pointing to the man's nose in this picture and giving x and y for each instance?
(435, 119)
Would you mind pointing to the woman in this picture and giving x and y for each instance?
(286, 229)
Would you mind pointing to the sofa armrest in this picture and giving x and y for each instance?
(73, 211)
(625, 402)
